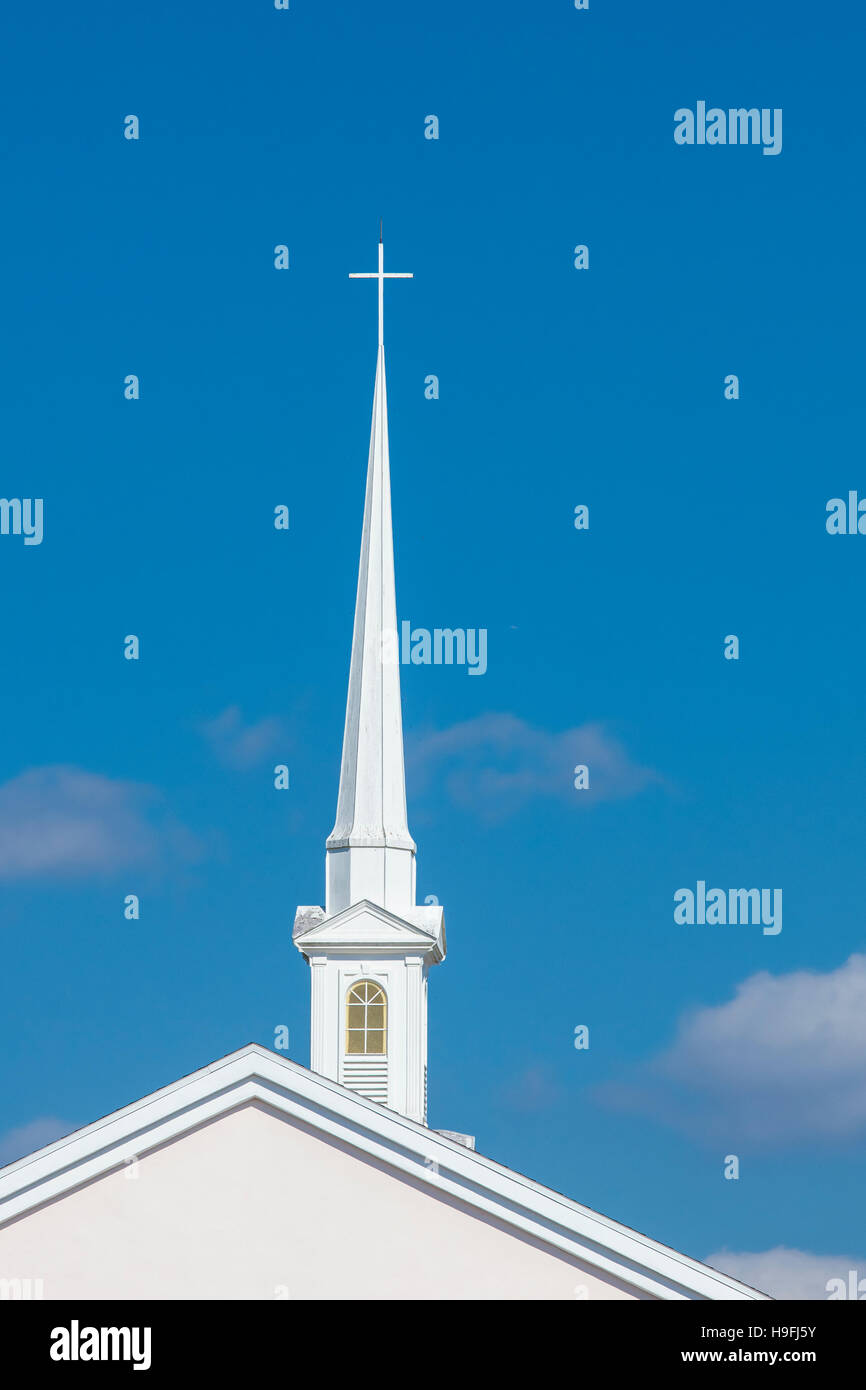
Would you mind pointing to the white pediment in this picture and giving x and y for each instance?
(36, 1188)
(368, 925)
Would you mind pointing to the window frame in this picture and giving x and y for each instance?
(378, 999)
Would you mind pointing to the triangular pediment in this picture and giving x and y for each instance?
(366, 924)
(258, 1080)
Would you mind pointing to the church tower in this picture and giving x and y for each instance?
(370, 949)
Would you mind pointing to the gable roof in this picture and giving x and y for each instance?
(253, 1073)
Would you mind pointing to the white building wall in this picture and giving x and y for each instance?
(255, 1206)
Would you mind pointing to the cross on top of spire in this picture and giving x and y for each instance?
(381, 275)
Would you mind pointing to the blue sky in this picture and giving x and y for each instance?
(557, 387)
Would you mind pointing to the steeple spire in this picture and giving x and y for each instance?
(371, 948)
(370, 853)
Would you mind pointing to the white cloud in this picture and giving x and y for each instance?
(495, 763)
(17, 1143)
(65, 821)
(242, 745)
(785, 1273)
(784, 1060)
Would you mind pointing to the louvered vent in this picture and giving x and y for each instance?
(368, 1076)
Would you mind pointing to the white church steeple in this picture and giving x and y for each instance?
(371, 947)
(370, 851)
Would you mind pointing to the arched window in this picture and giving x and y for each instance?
(366, 1019)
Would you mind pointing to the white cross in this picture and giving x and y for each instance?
(381, 275)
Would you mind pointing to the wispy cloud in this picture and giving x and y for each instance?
(532, 1091)
(241, 745)
(786, 1273)
(17, 1143)
(64, 821)
(784, 1060)
(496, 763)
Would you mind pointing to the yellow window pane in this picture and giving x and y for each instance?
(376, 1042)
(355, 1015)
(354, 1042)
